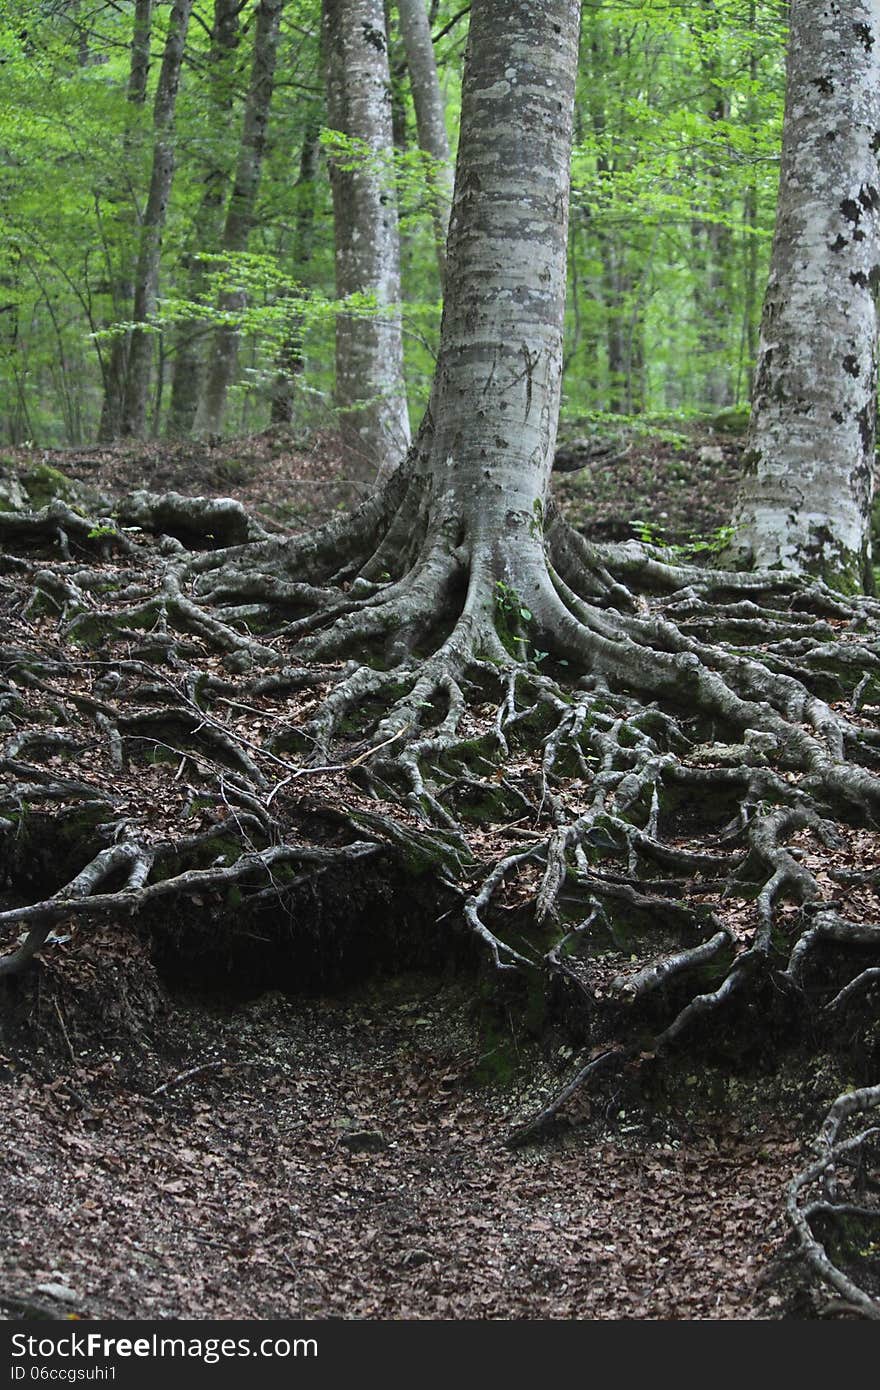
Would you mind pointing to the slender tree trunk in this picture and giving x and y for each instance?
(291, 360)
(370, 391)
(186, 384)
(223, 358)
(713, 248)
(804, 503)
(712, 254)
(430, 116)
(398, 73)
(624, 331)
(137, 387)
(620, 273)
(117, 363)
(748, 339)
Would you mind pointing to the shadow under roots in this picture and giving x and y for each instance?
(316, 935)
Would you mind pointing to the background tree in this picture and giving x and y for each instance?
(140, 352)
(117, 366)
(370, 391)
(430, 111)
(223, 355)
(187, 380)
(805, 499)
(290, 360)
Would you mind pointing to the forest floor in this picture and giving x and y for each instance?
(676, 480)
(267, 1154)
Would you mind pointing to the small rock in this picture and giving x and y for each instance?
(413, 1258)
(60, 1292)
(240, 662)
(12, 496)
(760, 739)
(364, 1140)
(711, 453)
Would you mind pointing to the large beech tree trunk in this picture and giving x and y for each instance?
(497, 385)
(134, 415)
(805, 499)
(428, 101)
(370, 392)
(223, 358)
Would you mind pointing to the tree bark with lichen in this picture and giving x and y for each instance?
(805, 499)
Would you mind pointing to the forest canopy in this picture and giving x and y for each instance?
(674, 169)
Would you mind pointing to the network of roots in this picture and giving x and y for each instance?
(658, 796)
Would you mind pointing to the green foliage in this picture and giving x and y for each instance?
(508, 603)
(695, 549)
(674, 186)
(674, 170)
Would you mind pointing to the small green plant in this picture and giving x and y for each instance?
(512, 612)
(713, 544)
(508, 602)
(102, 532)
(648, 536)
(696, 546)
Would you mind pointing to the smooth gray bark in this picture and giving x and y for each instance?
(207, 225)
(134, 418)
(430, 111)
(804, 503)
(497, 386)
(223, 357)
(370, 390)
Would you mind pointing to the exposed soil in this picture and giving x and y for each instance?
(340, 1158)
(180, 1155)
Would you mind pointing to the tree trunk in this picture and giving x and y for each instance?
(430, 117)
(117, 364)
(713, 243)
(496, 391)
(134, 421)
(207, 224)
(370, 391)
(624, 331)
(748, 349)
(290, 360)
(804, 502)
(240, 212)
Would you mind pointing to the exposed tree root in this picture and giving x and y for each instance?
(620, 769)
(840, 1187)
